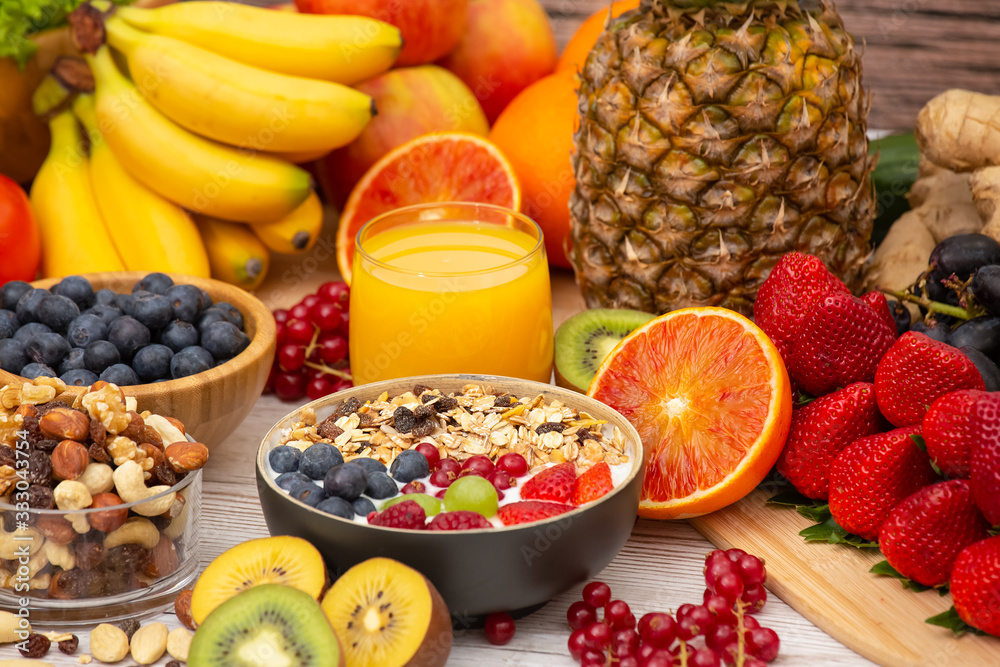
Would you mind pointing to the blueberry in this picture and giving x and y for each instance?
(100, 355)
(57, 312)
(72, 361)
(12, 356)
(106, 313)
(208, 318)
(369, 465)
(85, 329)
(337, 507)
(222, 339)
(178, 335)
(230, 312)
(47, 348)
(120, 374)
(122, 302)
(311, 494)
(8, 323)
(363, 506)
(187, 362)
(344, 481)
(29, 331)
(286, 481)
(206, 300)
(152, 362)
(284, 459)
(152, 311)
(76, 288)
(27, 305)
(34, 370)
(104, 297)
(128, 335)
(185, 301)
(11, 292)
(380, 486)
(219, 362)
(157, 283)
(409, 465)
(201, 353)
(80, 377)
(319, 458)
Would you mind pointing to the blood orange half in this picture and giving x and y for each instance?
(709, 395)
(436, 167)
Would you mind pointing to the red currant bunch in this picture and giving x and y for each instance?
(312, 345)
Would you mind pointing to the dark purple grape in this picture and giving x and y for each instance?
(982, 333)
(985, 287)
(940, 293)
(901, 314)
(986, 367)
(962, 254)
(935, 330)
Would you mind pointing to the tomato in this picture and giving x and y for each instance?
(20, 246)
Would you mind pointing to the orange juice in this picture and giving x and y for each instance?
(450, 296)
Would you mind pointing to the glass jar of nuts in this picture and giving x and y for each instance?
(99, 504)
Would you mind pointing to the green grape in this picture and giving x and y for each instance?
(430, 504)
(472, 493)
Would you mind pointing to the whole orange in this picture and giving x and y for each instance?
(575, 54)
(535, 132)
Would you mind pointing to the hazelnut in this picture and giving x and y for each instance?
(150, 436)
(65, 424)
(182, 607)
(135, 427)
(69, 460)
(187, 456)
(109, 520)
(26, 410)
(55, 528)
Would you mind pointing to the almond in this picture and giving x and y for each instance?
(109, 520)
(56, 529)
(65, 424)
(182, 608)
(178, 424)
(69, 460)
(187, 456)
(163, 559)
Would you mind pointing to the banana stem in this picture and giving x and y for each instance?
(932, 306)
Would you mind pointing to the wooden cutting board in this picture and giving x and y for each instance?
(831, 586)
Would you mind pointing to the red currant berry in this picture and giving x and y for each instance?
(341, 385)
(730, 651)
(687, 629)
(580, 615)
(750, 661)
(751, 570)
(598, 634)
(501, 479)
(657, 629)
(729, 586)
(577, 644)
(499, 628)
(735, 554)
(291, 357)
(281, 316)
(645, 652)
(345, 324)
(720, 637)
(280, 333)
(416, 486)
(513, 463)
(326, 316)
(750, 623)
(310, 300)
(684, 610)
(298, 332)
(442, 479)
(628, 661)
(597, 594)
(756, 596)
(318, 388)
(449, 465)
(472, 473)
(299, 311)
(625, 641)
(703, 657)
(721, 608)
(717, 568)
(440, 494)
(481, 464)
(592, 658)
(618, 615)
(763, 643)
(430, 453)
(335, 292)
(661, 658)
(333, 348)
(703, 618)
(289, 386)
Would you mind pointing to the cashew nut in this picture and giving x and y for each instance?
(131, 485)
(11, 543)
(59, 555)
(36, 563)
(179, 523)
(12, 627)
(167, 431)
(40, 583)
(79, 523)
(97, 478)
(135, 530)
(71, 495)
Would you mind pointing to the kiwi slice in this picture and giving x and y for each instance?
(286, 560)
(267, 626)
(583, 341)
(389, 615)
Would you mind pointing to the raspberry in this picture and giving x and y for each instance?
(407, 514)
(460, 520)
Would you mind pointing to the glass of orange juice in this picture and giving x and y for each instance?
(450, 288)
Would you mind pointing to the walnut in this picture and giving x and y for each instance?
(107, 406)
(8, 478)
(122, 449)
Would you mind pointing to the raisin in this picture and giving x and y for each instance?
(424, 428)
(8, 457)
(69, 646)
(88, 554)
(129, 627)
(127, 558)
(446, 403)
(46, 445)
(328, 429)
(68, 584)
(40, 497)
(364, 420)
(548, 427)
(350, 406)
(30, 424)
(174, 663)
(420, 390)
(161, 522)
(165, 474)
(152, 437)
(39, 468)
(35, 646)
(99, 454)
(502, 401)
(116, 583)
(403, 419)
(424, 411)
(98, 434)
(428, 397)
(9, 522)
(585, 435)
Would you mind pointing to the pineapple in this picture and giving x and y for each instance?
(715, 137)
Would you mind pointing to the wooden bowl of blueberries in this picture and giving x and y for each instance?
(196, 349)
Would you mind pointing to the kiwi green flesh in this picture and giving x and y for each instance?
(583, 341)
(266, 626)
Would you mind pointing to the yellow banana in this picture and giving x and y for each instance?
(150, 233)
(345, 49)
(295, 233)
(302, 157)
(239, 104)
(74, 236)
(196, 173)
(236, 255)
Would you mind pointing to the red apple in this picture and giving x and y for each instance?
(430, 28)
(507, 46)
(411, 101)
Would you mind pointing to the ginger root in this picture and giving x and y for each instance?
(960, 130)
(985, 186)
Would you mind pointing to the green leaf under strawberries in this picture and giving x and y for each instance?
(832, 532)
(922, 444)
(884, 569)
(802, 398)
(951, 620)
(826, 529)
(816, 510)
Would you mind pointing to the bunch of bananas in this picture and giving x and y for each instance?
(183, 158)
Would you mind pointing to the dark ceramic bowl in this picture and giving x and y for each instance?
(478, 571)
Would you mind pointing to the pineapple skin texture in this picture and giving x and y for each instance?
(710, 144)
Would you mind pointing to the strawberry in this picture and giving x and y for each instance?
(794, 286)
(923, 535)
(874, 474)
(555, 484)
(947, 430)
(527, 511)
(975, 585)
(820, 430)
(460, 520)
(593, 484)
(916, 371)
(880, 305)
(839, 341)
(984, 461)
